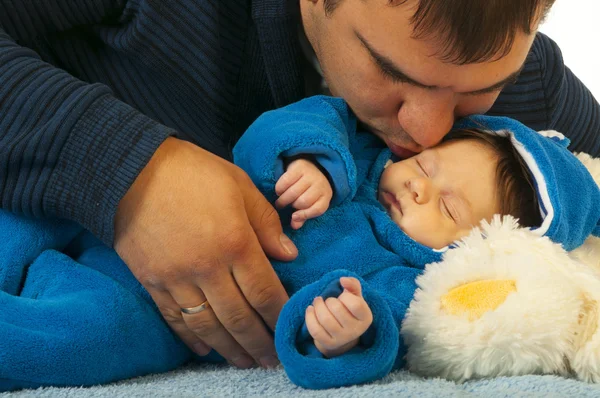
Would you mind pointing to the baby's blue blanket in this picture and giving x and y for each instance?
(72, 313)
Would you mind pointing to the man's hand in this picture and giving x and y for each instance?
(306, 188)
(337, 323)
(192, 228)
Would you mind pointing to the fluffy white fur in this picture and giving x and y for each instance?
(549, 325)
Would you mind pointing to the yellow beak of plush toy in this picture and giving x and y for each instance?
(476, 298)
(508, 302)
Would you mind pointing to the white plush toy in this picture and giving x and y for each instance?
(508, 301)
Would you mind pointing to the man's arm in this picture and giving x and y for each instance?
(548, 96)
(190, 226)
(67, 148)
(573, 110)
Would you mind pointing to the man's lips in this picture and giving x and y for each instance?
(397, 150)
(401, 152)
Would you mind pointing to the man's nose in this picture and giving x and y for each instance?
(420, 188)
(428, 120)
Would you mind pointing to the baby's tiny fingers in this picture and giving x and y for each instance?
(287, 179)
(308, 198)
(314, 327)
(340, 312)
(325, 317)
(297, 221)
(292, 193)
(357, 306)
(306, 214)
(351, 284)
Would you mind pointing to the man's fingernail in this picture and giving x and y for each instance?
(243, 361)
(270, 361)
(287, 244)
(201, 349)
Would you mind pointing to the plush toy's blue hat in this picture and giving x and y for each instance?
(569, 197)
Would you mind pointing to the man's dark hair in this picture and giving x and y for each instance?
(516, 194)
(470, 31)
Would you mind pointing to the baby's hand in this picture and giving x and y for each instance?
(306, 188)
(336, 323)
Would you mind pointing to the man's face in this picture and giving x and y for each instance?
(439, 195)
(394, 83)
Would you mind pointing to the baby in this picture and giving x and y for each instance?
(435, 197)
(366, 226)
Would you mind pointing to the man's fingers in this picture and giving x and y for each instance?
(258, 282)
(206, 327)
(266, 224)
(240, 312)
(172, 314)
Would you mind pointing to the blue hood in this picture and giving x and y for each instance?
(569, 197)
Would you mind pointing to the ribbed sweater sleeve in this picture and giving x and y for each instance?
(67, 148)
(548, 96)
(572, 109)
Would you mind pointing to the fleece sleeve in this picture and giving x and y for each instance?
(380, 349)
(67, 148)
(318, 126)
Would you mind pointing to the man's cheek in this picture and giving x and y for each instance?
(476, 104)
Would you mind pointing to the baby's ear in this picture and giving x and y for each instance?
(555, 136)
(389, 162)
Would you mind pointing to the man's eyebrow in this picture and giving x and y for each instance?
(389, 68)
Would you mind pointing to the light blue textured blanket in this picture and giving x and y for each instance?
(223, 381)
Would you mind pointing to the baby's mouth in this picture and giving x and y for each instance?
(393, 202)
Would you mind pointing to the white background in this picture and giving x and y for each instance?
(575, 26)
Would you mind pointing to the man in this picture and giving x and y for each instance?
(189, 224)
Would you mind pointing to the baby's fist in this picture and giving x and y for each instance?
(306, 188)
(337, 323)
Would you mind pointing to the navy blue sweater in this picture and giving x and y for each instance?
(89, 90)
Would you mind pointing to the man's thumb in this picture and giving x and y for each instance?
(267, 226)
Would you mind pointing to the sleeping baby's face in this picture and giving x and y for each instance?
(437, 196)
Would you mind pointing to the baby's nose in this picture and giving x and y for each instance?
(420, 188)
